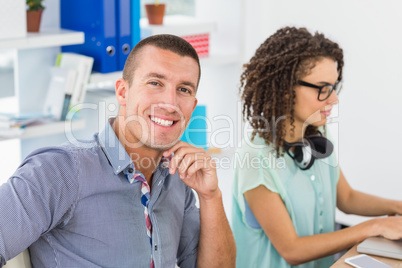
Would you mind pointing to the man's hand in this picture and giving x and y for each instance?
(216, 247)
(196, 168)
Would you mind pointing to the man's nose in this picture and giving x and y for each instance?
(170, 99)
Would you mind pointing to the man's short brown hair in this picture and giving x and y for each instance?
(169, 42)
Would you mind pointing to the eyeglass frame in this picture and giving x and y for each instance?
(333, 88)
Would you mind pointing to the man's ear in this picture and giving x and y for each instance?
(121, 91)
(195, 103)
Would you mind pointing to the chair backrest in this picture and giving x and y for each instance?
(22, 260)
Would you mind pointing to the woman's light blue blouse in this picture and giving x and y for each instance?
(309, 197)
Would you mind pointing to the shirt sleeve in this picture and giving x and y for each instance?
(255, 171)
(255, 166)
(190, 233)
(36, 199)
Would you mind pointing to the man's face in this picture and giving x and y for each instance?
(161, 99)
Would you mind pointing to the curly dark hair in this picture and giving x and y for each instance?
(268, 80)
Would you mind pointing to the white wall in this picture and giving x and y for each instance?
(369, 108)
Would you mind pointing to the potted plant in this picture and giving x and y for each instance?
(155, 12)
(34, 14)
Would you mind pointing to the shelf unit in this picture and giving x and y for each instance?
(33, 56)
(45, 38)
(49, 129)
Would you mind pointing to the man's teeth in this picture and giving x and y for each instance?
(162, 122)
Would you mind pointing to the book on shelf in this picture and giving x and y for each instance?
(19, 120)
(67, 86)
(83, 66)
(13, 124)
(59, 92)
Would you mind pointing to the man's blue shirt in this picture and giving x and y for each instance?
(75, 205)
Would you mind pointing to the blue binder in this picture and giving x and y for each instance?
(123, 29)
(96, 18)
(196, 132)
(109, 27)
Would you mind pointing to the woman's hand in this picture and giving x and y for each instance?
(388, 227)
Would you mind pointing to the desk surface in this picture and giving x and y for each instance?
(352, 252)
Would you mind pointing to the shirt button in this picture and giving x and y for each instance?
(130, 170)
(321, 212)
(156, 247)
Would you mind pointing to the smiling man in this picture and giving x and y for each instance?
(124, 198)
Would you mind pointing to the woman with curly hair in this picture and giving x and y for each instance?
(289, 184)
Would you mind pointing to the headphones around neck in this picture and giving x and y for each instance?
(306, 151)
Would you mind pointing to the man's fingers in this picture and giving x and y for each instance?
(175, 148)
(181, 153)
(196, 166)
(189, 160)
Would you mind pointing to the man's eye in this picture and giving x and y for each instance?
(184, 90)
(154, 83)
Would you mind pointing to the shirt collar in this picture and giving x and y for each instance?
(117, 155)
(114, 150)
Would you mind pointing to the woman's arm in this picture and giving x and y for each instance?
(274, 218)
(351, 201)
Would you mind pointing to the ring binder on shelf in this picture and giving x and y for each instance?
(108, 27)
(123, 21)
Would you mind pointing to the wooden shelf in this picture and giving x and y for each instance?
(45, 38)
(48, 129)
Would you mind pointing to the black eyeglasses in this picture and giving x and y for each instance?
(324, 91)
